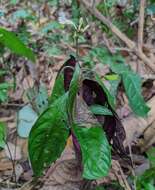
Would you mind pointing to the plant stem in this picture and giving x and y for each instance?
(77, 45)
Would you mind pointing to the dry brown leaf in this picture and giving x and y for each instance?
(65, 176)
(5, 165)
(135, 126)
(149, 138)
(120, 175)
(13, 152)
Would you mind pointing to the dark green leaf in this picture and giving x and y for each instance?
(132, 84)
(58, 89)
(113, 81)
(148, 175)
(73, 89)
(5, 85)
(147, 178)
(114, 88)
(48, 136)
(149, 186)
(3, 95)
(100, 110)
(151, 156)
(96, 154)
(119, 67)
(110, 98)
(99, 188)
(11, 41)
(2, 134)
(3, 72)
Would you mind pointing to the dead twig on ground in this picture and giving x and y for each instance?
(141, 24)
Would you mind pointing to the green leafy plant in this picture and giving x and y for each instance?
(60, 119)
(147, 180)
(131, 80)
(11, 41)
(54, 125)
(92, 140)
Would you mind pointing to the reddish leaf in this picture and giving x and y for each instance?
(68, 71)
(94, 94)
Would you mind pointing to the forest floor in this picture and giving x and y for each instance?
(48, 29)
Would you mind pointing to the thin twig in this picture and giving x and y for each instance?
(29, 185)
(133, 165)
(13, 105)
(129, 43)
(141, 24)
(13, 162)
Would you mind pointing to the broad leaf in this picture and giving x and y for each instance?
(110, 98)
(96, 154)
(151, 156)
(146, 179)
(5, 85)
(58, 89)
(114, 88)
(119, 68)
(132, 84)
(100, 110)
(11, 41)
(73, 89)
(3, 72)
(48, 136)
(2, 135)
(63, 79)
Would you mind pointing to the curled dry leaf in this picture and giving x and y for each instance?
(66, 176)
(135, 126)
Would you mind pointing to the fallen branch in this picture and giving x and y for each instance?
(141, 24)
(132, 45)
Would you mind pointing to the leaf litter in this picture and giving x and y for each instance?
(47, 67)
